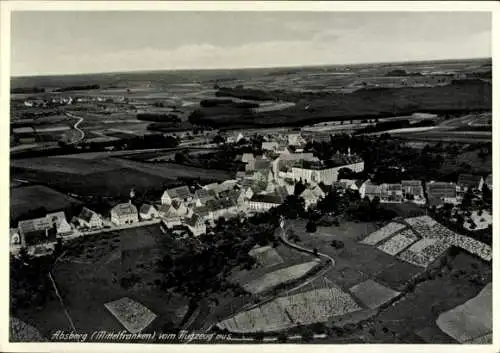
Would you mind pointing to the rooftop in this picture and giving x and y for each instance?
(124, 209)
(180, 192)
(267, 198)
(86, 214)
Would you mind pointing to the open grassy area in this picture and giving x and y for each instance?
(108, 267)
(24, 199)
(413, 318)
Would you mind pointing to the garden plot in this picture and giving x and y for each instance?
(294, 310)
(473, 246)
(383, 233)
(425, 251)
(373, 294)
(399, 242)
(272, 279)
(428, 227)
(266, 256)
(470, 321)
(134, 316)
(318, 305)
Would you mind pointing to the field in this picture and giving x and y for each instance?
(298, 309)
(357, 262)
(106, 267)
(373, 294)
(471, 320)
(105, 176)
(266, 256)
(415, 315)
(27, 198)
(281, 276)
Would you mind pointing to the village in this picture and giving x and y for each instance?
(268, 179)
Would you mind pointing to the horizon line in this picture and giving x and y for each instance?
(137, 71)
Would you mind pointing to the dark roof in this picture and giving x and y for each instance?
(194, 220)
(268, 198)
(262, 164)
(408, 183)
(468, 179)
(441, 189)
(180, 192)
(203, 194)
(145, 208)
(86, 214)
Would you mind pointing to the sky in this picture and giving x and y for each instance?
(55, 42)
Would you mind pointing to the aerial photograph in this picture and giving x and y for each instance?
(251, 177)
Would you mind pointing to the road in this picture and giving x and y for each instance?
(282, 234)
(80, 119)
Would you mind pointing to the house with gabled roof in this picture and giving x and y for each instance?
(270, 146)
(296, 140)
(439, 193)
(124, 213)
(174, 210)
(196, 225)
(180, 193)
(466, 181)
(391, 193)
(264, 202)
(201, 196)
(148, 212)
(89, 219)
(413, 191)
(38, 235)
(58, 220)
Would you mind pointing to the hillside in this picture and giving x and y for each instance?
(458, 96)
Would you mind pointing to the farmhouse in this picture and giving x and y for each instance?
(370, 190)
(259, 164)
(296, 140)
(148, 212)
(124, 213)
(319, 173)
(89, 219)
(350, 184)
(441, 192)
(413, 190)
(174, 210)
(466, 181)
(59, 222)
(201, 196)
(196, 225)
(261, 203)
(37, 234)
(391, 193)
(180, 193)
(270, 146)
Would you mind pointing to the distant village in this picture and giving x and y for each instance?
(266, 182)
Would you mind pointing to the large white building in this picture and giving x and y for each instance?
(124, 213)
(261, 203)
(324, 175)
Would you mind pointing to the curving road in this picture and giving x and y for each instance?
(282, 234)
(80, 119)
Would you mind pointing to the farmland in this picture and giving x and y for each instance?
(104, 176)
(106, 267)
(471, 320)
(24, 199)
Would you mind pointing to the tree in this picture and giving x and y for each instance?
(487, 194)
(311, 227)
(180, 158)
(299, 188)
(218, 139)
